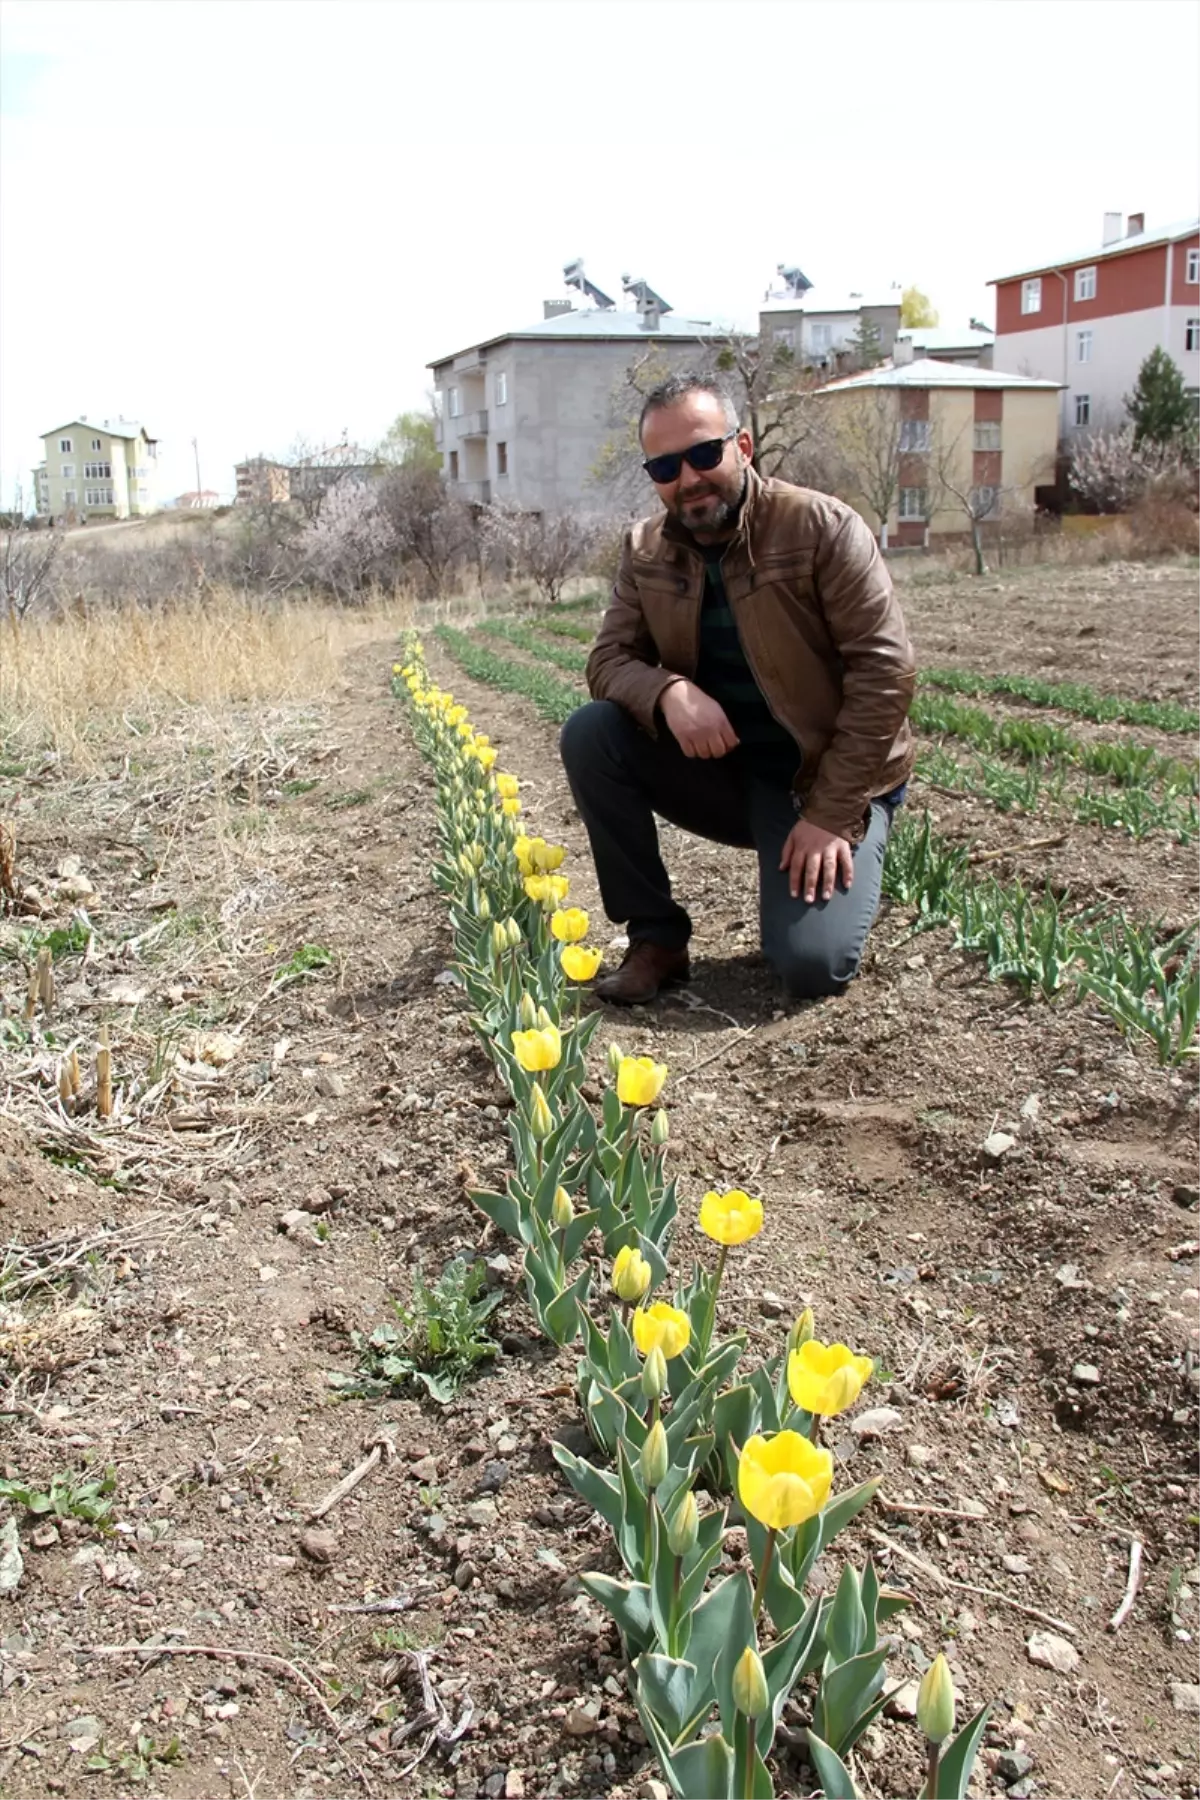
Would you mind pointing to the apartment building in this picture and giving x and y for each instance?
(96, 471)
(920, 434)
(820, 326)
(1089, 320)
(524, 416)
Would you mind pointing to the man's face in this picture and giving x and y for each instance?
(707, 500)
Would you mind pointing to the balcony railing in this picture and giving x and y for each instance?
(476, 493)
(473, 424)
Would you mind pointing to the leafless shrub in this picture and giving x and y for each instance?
(28, 559)
(351, 543)
(433, 533)
(546, 548)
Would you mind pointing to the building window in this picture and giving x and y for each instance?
(455, 403)
(1191, 335)
(100, 496)
(1083, 346)
(97, 444)
(822, 337)
(1083, 409)
(64, 446)
(502, 389)
(785, 337)
(67, 471)
(983, 502)
(454, 465)
(1085, 283)
(987, 434)
(1031, 294)
(914, 502)
(97, 471)
(1193, 266)
(502, 459)
(914, 434)
(68, 496)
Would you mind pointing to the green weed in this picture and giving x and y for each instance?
(67, 1497)
(139, 1763)
(308, 960)
(438, 1340)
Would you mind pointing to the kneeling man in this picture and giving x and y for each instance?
(751, 683)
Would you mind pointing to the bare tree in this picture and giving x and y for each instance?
(1112, 473)
(350, 542)
(27, 562)
(617, 470)
(546, 548)
(433, 532)
(774, 395)
(952, 472)
(867, 428)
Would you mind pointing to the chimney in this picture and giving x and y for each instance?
(554, 309)
(902, 351)
(1112, 228)
(650, 315)
(1136, 225)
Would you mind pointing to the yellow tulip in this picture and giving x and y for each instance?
(751, 1695)
(630, 1274)
(784, 1480)
(579, 963)
(935, 1701)
(826, 1378)
(485, 757)
(640, 1080)
(661, 1327)
(507, 786)
(537, 887)
(396, 669)
(510, 808)
(561, 1210)
(569, 926)
(539, 1049)
(655, 1458)
(732, 1218)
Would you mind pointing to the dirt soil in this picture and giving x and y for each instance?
(1035, 1315)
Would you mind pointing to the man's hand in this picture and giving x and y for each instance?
(814, 859)
(697, 722)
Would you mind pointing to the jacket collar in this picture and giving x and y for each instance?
(675, 533)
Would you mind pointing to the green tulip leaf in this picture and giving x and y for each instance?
(665, 1685)
(958, 1759)
(629, 1604)
(836, 1780)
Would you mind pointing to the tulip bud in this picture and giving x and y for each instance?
(528, 1012)
(750, 1692)
(654, 1375)
(935, 1701)
(513, 933)
(631, 1275)
(541, 1119)
(543, 1018)
(801, 1331)
(499, 941)
(660, 1129)
(684, 1528)
(476, 855)
(561, 1211)
(484, 908)
(655, 1456)
(466, 865)
(615, 1059)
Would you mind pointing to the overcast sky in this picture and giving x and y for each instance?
(246, 221)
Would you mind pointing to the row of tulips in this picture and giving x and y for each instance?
(687, 1445)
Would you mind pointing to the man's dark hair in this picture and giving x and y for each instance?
(678, 386)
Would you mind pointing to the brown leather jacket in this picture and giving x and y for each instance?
(820, 626)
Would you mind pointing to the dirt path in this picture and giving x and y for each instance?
(198, 1361)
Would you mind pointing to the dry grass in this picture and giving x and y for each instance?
(65, 682)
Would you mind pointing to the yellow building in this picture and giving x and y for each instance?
(930, 450)
(95, 471)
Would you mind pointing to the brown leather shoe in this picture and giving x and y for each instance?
(644, 970)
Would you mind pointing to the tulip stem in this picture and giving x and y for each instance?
(711, 1321)
(760, 1586)
(814, 1429)
(748, 1778)
(934, 1752)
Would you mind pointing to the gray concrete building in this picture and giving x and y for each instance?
(523, 417)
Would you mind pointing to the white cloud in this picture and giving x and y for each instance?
(244, 222)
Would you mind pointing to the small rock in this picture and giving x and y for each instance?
(1013, 1765)
(330, 1084)
(1031, 1106)
(1184, 1195)
(903, 1703)
(581, 1720)
(483, 1512)
(465, 1574)
(1185, 1696)
(976, 1508)
(875, 1422)
(425, 1469)
(1017, 1565)
(45, 1537)
(318, 1545)
(1070, 1276)
(772, 1306)
(1085, 1375)
(921, 1455)
(653, 1790)
(187, 1552)
(494, 1476)
(997, 1144)
(1052, 1652)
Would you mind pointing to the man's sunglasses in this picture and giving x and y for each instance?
(662, 469)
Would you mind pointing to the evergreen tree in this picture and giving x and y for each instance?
(1159, 407)
(866, 346)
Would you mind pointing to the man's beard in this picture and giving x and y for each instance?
(722, 517)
